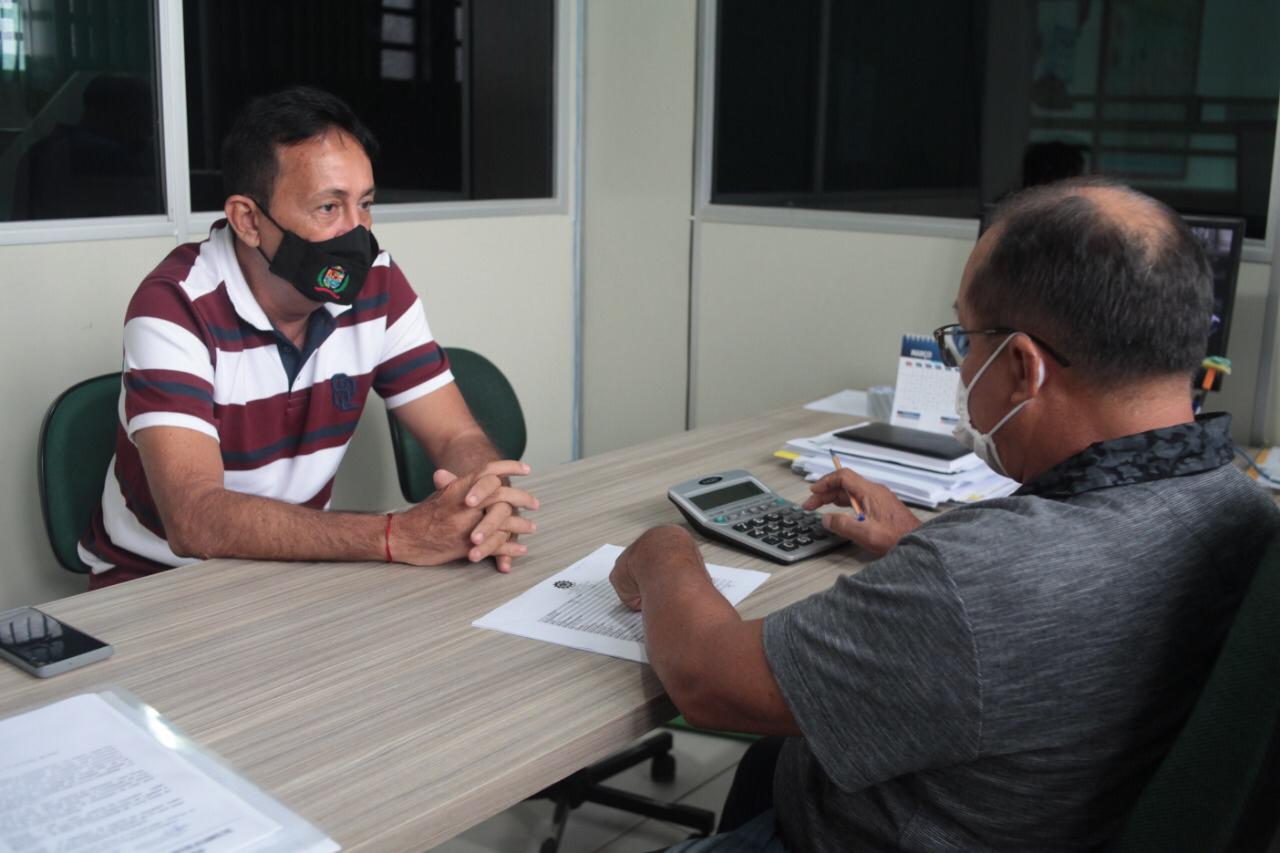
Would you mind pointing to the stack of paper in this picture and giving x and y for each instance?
(972, 481)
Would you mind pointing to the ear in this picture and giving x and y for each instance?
(1028, 369)
(242, 216)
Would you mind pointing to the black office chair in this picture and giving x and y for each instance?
(1218, 789)
(494, 404)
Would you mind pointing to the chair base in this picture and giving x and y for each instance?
(585, 786)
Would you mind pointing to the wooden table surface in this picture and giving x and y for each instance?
(360, 696)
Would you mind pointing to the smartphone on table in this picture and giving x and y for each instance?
(43, 646)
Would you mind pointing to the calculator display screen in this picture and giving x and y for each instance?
(727, 495)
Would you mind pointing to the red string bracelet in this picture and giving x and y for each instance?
(386, 539)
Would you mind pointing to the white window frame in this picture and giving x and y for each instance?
(180, 223)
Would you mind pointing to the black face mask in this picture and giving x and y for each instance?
(331, 271)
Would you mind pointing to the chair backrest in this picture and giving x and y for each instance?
(77, 440)
(494, 405)
(1219, 787)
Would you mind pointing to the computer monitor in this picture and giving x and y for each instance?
(1222, 238)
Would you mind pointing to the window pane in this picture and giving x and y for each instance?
(857, 106)
(481, 128)
(79, 135)
(397, 29)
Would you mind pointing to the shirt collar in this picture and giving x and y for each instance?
(1175, 451)
(222, 239)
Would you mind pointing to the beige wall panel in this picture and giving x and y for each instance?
(637, 189)
(65, 328)
(787, 315)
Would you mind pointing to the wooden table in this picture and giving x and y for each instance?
(359, 694)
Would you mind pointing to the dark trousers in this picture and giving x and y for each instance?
(752, 789)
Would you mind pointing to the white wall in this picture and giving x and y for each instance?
(785, 315)
(64, 328)
(501, 286)
(637, 193)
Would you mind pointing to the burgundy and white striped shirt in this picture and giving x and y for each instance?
(200, 353)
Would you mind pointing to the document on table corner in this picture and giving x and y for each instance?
(578, 608)
(92, 773)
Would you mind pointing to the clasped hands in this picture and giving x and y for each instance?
(475, 515)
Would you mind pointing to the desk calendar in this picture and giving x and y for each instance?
(924, 396)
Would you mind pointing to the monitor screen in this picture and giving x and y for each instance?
(1222, 239)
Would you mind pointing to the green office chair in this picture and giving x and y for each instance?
(492, 401)
(77, 440)
(1218, 789)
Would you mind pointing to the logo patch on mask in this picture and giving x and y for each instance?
(344, 392)
(332, 280)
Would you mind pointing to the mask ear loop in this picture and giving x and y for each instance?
(262, 207)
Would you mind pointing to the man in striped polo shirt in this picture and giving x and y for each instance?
(247, 361)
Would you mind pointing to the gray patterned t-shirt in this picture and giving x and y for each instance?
(1010, 674)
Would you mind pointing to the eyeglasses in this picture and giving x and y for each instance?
(953, 342)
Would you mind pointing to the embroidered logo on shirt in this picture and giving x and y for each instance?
(344, 392)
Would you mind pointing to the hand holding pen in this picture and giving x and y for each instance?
(878, 519)
(853, 499)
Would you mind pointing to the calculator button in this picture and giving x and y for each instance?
(803, 540)
(773, 528)
(771, 540)
(820, 535)
(773, 516)
(797, 508)
(740, 526)
(779, 501)
(787, 546)
(790, 522)
(755, 533)
(721, 519)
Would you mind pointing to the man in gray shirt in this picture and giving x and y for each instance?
(1008, 675)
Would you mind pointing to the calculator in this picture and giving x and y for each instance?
(738, 508)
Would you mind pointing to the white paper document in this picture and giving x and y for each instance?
(850, 402)
(85, 774)
(578, 607)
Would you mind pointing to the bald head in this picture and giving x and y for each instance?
(1109, 277)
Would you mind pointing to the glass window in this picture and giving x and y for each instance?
(79, 133)
(459, 94)
(937, 107)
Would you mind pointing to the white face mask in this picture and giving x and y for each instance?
(983, 443)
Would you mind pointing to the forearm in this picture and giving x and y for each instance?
(223, 523)
(709, 659)
(466, 451)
